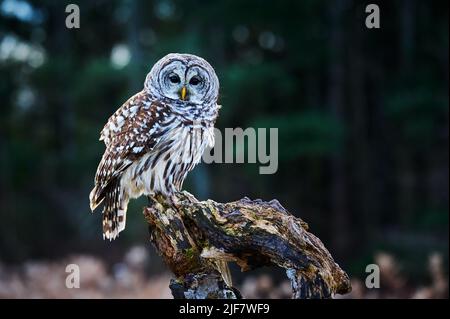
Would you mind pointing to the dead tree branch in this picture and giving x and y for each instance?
(194, 237)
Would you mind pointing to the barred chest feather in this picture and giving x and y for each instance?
(164, 169)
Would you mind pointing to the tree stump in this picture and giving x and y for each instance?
(197, 238)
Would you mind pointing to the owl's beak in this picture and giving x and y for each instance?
(183, 93)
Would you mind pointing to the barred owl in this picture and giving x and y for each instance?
(156, 137)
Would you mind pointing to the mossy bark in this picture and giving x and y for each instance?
(193, 236)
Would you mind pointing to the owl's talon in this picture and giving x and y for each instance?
(174, 200)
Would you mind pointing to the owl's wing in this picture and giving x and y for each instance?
(132, 131)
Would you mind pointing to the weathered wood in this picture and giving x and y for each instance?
(203, 286)
(193, 237)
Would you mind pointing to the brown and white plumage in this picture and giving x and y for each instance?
(156, 137)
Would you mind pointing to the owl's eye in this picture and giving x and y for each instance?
(174, 78)
(195, 80)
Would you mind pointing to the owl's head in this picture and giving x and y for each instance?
(183, 77)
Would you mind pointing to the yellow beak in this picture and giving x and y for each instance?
(183, 93)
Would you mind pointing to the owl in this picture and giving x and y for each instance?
(156, 137)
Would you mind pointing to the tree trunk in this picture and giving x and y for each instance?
(198, 239)
(335, 103)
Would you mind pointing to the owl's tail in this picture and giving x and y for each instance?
(115, 203)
